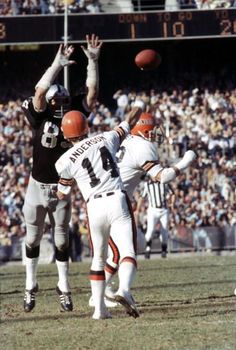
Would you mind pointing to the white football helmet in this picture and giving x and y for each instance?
(61, 99)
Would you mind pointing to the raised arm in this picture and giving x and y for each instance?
(133, 116)
(166, 175)
(131, 119)
(61, 60)
(92, 82)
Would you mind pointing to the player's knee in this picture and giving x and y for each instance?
(61, 238)
(33, 236)
(129, 259)
(61, 242)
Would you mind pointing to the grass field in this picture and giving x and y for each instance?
(184, 302)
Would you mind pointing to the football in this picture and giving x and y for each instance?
(148, 59)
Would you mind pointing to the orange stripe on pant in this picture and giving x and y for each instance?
(115, 251)
(134, 229)
(110, 269)
(129, 259)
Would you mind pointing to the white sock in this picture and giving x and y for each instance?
(63, 274)
(109, 277)
(126, 273)
(98, 288)
(31, 271)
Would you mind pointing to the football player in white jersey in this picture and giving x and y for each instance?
(138, 156)
(91, 163)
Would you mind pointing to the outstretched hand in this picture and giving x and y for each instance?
(133, 116)
(63, 56)
(93, 47)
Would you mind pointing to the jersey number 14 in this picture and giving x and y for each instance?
(108, 164)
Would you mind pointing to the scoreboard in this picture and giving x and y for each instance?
(136, 26)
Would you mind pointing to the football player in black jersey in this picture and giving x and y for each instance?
(44, 112)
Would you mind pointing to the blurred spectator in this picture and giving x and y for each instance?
(212, 4)
(122, 100)
(43, 7)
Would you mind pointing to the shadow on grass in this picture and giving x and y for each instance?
(50, 290)
(118, 313)
(212, 299)
(30, 317)
(179, 285)
(190, 308)
(181, 267)
(16, 275)
(85, 290)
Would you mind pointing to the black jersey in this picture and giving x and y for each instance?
(48, 141)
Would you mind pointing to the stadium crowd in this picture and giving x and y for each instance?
(45, 7)
(202, 119)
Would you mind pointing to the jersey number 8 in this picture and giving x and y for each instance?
(49, 137)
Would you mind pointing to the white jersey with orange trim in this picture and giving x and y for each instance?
(135, 158)
(91, 162)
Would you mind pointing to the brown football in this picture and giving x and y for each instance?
(148, 59)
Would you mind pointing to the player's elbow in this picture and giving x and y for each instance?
(39, 100)
(166, 175)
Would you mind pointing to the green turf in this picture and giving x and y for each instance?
(184, 303)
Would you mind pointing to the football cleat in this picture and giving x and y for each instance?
(65, 300)
(128, 302)
(109, 293)
(29, 298)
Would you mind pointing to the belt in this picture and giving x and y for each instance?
(105, 194)
(44, 186)
(47, 186)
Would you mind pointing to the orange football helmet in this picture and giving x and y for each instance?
(148, 128)
(74, 124)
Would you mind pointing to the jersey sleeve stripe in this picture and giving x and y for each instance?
(66, 182)
(121, 132)
(148, 165)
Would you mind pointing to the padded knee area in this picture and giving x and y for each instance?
(33, 235)
(61, 238)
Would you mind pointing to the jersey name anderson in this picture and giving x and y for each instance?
(84, 147)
